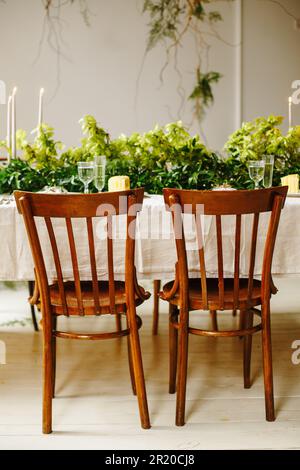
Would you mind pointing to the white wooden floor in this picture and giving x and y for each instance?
(94, 407)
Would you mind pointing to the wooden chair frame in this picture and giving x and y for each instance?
(86, 207)
(218, 204)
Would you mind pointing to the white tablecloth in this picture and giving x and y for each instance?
(155, 247)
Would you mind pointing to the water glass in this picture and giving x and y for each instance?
(269, 167)
(100, 170)
(86, 174)
(256, 171)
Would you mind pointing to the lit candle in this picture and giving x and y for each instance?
(14, 124)
(9, 127)
(42, 91)
(290, 112)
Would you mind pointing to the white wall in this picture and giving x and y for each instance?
(271, 57)
(102, 63)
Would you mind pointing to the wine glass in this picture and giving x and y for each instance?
(86, 174)
(257, 171)
(99, 176)
(269, 167)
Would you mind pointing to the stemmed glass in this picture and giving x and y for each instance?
(257, 171)
(100, 168)
(86, 174)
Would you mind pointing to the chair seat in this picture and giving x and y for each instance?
(88, 297)
(195, 294)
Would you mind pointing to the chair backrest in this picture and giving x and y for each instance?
(86, 207)
(218, 204)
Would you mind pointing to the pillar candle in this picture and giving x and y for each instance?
(41, 107)
(14, 124)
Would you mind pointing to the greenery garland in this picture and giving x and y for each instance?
(163, 157)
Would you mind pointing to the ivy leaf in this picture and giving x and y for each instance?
(202, 94)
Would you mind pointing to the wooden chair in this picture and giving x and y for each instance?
(185, 294)
(92, 297)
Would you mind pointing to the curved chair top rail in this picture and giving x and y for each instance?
(225, 202)
(79, 205)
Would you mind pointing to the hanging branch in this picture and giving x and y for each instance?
(170, 22)
(52, 31)
(286, 11)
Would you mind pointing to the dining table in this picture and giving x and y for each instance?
(155, 244)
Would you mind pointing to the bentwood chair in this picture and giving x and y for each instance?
(78, 297)
(245, 294)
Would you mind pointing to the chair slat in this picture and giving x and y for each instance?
(237, 254)
(110, 265)
(220, 260)
(178, 227)
(75, 266)
(252, 254)
(201, 260)
(91, 241)
(57, 262)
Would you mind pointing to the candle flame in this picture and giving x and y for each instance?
(42, 91)
(290, 100)
(14, 91)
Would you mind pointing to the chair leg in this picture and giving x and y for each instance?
(173, 349)
(234, 313)
(267, 362)
(54, 321)
(182, 369)
(47, 375)
(247, 349)
(156, 290)
(214, 320)
(242, 319)
(138, 372)
(118, 322)
(131, 364)
(32, 308)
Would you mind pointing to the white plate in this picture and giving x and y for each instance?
(293, 194)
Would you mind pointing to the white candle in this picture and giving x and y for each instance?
(41, 107)
(8, 139)
(2, 98)
(290, 112)
(14, 124)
